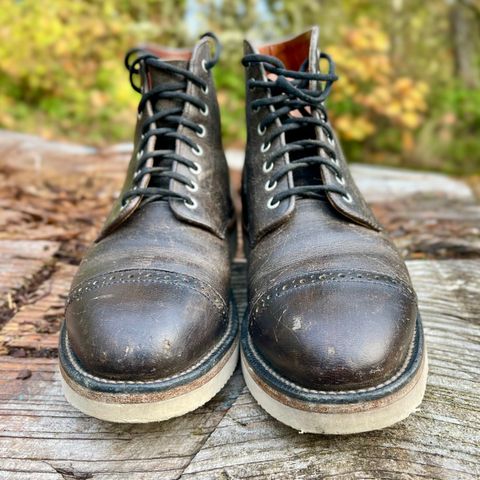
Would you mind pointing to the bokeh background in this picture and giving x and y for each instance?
(408, 95)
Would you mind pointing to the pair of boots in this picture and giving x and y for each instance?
(331, 341)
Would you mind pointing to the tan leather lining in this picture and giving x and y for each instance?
(168, 53)
(291, 52)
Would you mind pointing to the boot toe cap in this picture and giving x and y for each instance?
(143, 325)
(336, 334)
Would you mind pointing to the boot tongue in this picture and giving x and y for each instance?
(159, 77)
(309, 175)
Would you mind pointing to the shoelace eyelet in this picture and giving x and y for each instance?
(204, 111)
(193, 187)
(196, 169)
(261, 131)
(348, 198)
(267, 167)
(139, 115)
(205, 89)
(270, 186)
(139, 154)
(191, 203)
(203, 131)
(340, 180)
(197, 150)
(204, 65)
(331, 140)
(265, 147)
(272, 205)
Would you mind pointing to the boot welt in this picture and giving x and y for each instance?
(338, 413)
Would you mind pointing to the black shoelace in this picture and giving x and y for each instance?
(170, 119)
(290, 92)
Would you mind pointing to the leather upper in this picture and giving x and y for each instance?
(331, 306)
(261, 220)
(151, 296)
(215, 210)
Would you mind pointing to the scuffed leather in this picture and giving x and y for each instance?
(144, 324)
(151, 296)
(120, 213)
(331, 305)
(259, 219)
(215, 209)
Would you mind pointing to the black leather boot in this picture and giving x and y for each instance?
(150, 330)
(332, 340)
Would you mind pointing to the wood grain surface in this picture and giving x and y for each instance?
(53, 199)
(231, 437)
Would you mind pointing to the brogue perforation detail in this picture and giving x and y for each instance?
(322, 277)
(129, 276)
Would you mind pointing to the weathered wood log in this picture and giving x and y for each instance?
(432, 226)
(23, 265)
(34, 329)
(56, 196)
(42, 437)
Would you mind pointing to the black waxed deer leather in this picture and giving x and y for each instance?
(151, 297)
(331, 305)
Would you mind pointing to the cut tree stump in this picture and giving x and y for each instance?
(53, 199)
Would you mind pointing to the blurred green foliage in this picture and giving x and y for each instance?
(408, 94)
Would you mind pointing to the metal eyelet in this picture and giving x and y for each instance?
(267, 167)
(197, 150)
(196, 169)
(272, 205)
(204, 111)
(203, 131)
(270, 186)
(265, 147)
(205, 89)
(193, 187)
(348, 198)
(191, 203)
(139, 154)
(139, 115)
(204, 65)
(331, 140)
(340, 180)
(136, 173)
(261, 131)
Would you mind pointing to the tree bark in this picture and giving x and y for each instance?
(463, 38)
